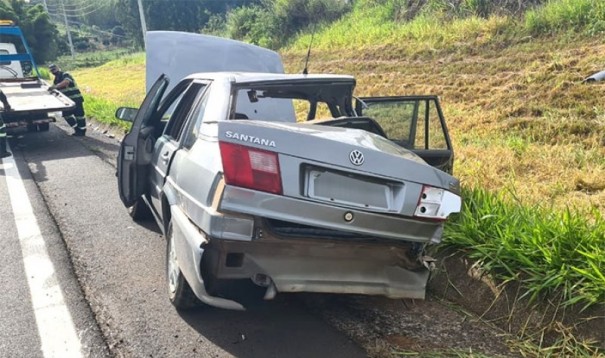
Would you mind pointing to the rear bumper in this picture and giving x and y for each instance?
(259, 204)
(239, 247)
(327, 266)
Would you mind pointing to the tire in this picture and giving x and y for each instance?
(179, 292)
(140, 212)
(43, 127)
(32, 127)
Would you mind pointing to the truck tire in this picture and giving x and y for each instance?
(179, 292)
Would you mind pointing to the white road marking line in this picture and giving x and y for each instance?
(55, 326)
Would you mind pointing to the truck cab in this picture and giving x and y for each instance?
(8, 68)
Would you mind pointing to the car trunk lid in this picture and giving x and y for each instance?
(351, 151)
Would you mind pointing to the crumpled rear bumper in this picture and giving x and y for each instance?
(234, 248)
(260, 204)
(321, 265)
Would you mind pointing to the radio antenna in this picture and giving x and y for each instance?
(306, 70)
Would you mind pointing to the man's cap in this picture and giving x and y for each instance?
(53, 67)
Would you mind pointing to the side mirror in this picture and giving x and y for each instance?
(126, 113)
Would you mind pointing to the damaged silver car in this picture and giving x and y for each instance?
(289, 182)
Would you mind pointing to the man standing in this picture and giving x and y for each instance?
(3, 151)
(65, 83)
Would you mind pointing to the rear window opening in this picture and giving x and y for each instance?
(289, 103)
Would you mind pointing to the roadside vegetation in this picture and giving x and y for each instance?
(552, 253)
(529, 135)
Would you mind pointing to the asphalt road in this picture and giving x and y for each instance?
(110, 272)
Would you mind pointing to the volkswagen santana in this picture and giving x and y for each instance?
(289, 182)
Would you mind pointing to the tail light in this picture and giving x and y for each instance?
(251, 168)
(437, 204)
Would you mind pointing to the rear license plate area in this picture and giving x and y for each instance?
(349, 189)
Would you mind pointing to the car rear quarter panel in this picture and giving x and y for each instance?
(195, 177)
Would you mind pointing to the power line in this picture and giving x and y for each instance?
(88, 28)
(72, 15)
(77, 10)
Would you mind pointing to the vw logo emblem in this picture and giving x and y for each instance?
(356, 157)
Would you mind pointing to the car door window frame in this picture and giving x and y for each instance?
(135, 149)
(442, 158)
(191, 128)
(183, 96)
(420, 101)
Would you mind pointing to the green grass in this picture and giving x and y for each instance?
(120, 82)
(92, 59)
(567, 15)
(425, 34)
(103, 111)
(551, 253)
(45, 73)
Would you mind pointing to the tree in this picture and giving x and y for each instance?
(102, 15)
(176, 15)
(170, 15)
(128, 16)
(6, 12)
(39, 32)
(118, 34)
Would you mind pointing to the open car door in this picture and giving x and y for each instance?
(415, 123)
(136, 150)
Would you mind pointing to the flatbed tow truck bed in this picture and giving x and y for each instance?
(28, 94)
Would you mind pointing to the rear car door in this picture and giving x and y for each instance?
(176, 109)
(413, 122)
(136, 149)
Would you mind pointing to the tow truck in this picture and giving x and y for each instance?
(32, 104)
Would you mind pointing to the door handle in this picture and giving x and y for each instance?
(165, 156)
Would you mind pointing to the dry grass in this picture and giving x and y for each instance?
(520, 117)
(121, 82)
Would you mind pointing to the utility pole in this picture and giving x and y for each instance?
(143, 24)
(71, 45)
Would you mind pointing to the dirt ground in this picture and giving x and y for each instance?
(465, 314)
(389, 328)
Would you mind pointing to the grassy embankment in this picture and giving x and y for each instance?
(529, 136)
(116, 83)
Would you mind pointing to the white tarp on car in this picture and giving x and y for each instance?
(179, 54)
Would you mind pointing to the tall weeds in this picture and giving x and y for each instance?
(549, 252)
(567, 15)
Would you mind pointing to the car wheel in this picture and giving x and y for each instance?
(180, 293)
(140, 212)
(43, 127)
